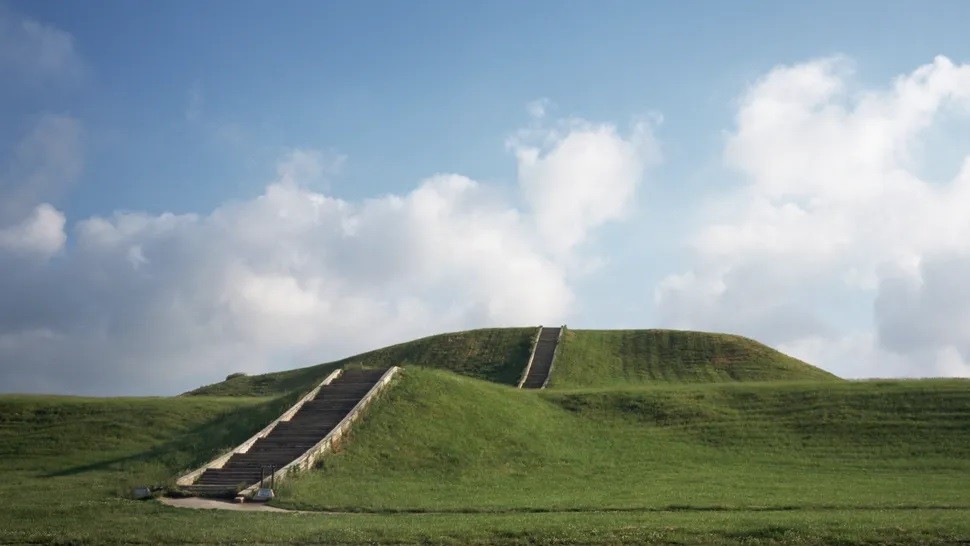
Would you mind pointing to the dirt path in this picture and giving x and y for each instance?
(219, 504)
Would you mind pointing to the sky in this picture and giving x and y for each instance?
(192, 189)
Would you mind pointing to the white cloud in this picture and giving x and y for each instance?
(42, 233)
(142, 303)
(44, 164)
(834, 201)
(579, 180)
(308, 167)
(35, 52)
(537, 109)
(926, 312)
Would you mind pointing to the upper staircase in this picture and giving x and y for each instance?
(537, 371)
(290, 439)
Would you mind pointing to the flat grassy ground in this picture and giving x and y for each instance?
(608, 358)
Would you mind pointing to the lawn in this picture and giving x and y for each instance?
(446, 457)
(441, 442)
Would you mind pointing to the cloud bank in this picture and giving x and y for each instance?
(838, 237)
(833, 207)
(140, 303)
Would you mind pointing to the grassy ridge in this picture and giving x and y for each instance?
(586, 358)
(593, 358)
(439, 442)
(492, 354)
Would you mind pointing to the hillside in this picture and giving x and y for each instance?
(440, 442)
(492, 354)
(586, 358)
(600, 358)
(137, 434)
(757, 463)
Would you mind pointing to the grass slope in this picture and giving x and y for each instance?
(440, 442)
(68, 461)
(594, 358)
(146, 438)
(492, 354)
(586, 358)
(721, 463)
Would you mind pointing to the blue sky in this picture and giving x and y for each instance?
(171, 123)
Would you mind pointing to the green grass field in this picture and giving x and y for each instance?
(444, 457)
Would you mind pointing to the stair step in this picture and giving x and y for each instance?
(545, 351)
(290, 439)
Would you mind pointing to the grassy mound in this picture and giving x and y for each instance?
(586, 358)
(492, 354)
(441, 442)
(594, 358)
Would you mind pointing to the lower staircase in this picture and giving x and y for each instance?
(289, 439)
(537, 372)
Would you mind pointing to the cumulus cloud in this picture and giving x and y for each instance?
(45, 162)
(833, 201)
(43, 165)
(42, 233)
(579, 180)
(925, 315)
(140, 303)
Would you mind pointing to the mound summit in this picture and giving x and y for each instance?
(585, 358)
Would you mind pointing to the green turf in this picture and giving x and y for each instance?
(795, 463)
(147, 438)
(602, 358)
(585, 358)
(129, 522)
(493, 354)
(485, 463)
(641, 455)
(440, 442)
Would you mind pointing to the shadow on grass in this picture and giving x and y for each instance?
(198, 445)
(627, 509)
